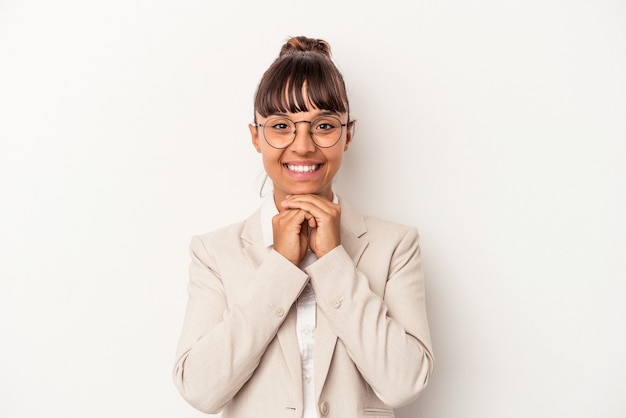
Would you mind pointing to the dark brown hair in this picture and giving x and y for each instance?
(302, 62)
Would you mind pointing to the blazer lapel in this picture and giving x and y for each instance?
(256, 252)
(353, 229)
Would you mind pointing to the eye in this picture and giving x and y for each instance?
(279, 126)
(326, 124)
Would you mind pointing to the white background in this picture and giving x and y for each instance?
(498, 128)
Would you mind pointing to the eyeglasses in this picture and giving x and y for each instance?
(280, 131)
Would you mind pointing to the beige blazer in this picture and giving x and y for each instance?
(239, 352)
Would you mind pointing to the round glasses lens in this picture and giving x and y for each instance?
(279, 132)
(326, 131)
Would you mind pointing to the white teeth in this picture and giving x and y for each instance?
(303, 168)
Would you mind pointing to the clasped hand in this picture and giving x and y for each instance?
(306, 221)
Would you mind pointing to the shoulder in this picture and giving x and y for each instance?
(395, 239)
(386, 226)
(221, 235)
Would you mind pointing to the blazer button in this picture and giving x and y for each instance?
(279, 312)
(324, 408)
(336, 303)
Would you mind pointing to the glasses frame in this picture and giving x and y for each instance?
(295, 126)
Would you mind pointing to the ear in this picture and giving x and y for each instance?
(349, 134)
(254, 133)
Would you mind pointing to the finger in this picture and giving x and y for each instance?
(317, 207)
(294, 218)
(291, 215)
(301, 201)
(304, 230)
(310, 218)
(311, 198)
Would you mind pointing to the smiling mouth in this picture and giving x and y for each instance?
(303, 168)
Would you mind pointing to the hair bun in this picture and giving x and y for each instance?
(304, 44)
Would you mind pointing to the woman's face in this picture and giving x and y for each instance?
(302, 167)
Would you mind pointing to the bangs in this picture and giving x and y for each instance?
(298, 81)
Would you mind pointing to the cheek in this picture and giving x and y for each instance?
(336, 157)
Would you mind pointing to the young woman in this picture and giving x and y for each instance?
(308, 308)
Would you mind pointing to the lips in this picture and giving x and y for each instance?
(303, 168)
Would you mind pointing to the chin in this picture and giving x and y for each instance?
(314, 191)
(303, 189)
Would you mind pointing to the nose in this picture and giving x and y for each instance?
(303, 142)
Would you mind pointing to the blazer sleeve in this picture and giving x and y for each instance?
(386, 337)
(221, 345)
